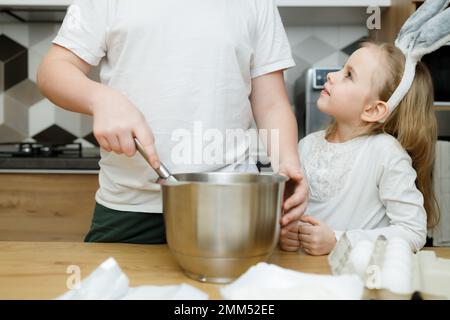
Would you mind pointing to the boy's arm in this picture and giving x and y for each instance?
(272, 111)
(62, 78)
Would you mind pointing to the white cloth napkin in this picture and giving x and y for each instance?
(271, 282)
(108, 282)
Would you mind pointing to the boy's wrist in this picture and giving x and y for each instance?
(95, 95)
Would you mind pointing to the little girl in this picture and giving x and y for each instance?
(370, 171)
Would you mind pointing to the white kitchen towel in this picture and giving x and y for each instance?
(441, 233)
(108, 282)
(270, 282)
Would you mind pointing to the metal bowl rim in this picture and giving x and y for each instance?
(277, 177)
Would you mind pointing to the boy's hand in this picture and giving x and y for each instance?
(295, 195)
(316, 237)
(117, 121)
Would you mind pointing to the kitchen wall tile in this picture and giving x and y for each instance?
(313, 49)
(41, 31)
(14, 59)
(329, 35)
(8, 134)
(16, 115)
(91, 139)
(70, 121)
(55, 134)
(337, 59)
(352, 47)
(15, 70)
(41, 116)
(84, 143)
(87, 123)
(298, 34)
(43, 46)
(19, 32)
(350, 34)
(2, 108)
(26, 92)
(292, 74)
(34, 60)
(2, 81)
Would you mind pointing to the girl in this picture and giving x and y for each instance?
(370, 171)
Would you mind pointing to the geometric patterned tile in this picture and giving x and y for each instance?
(301, 65)
(16, 70)
(337, 59)
(330, 35)
(19, 32)
(313, 49)
(2, 81)
(350, 34)
(87, 125)
(26, 92)
(293, 74)
(41, 31)
(297, 34)
(41, 116)
(352, 47)
(84, 143)
(91, 139)
(2, 108)
(16, 115)
(69, 121)
(43, 46)
(8, 134)
(54, 134)
(9, 48)
(34, 60)
(14, 58)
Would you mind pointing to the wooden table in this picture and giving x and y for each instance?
(38, 270)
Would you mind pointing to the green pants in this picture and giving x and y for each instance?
(110, 225)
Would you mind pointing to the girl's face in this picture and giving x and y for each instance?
(349, 91)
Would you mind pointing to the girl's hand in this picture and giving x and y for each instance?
(289, 240)
(117, 121)
(316, 237)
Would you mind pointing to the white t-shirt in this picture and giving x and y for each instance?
(185, 64)
(365, 187)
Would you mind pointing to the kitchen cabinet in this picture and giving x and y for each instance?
(46, 207)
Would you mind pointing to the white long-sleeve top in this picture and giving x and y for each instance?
(365, 187)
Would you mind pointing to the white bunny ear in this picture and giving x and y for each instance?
(412, 26)
(425, 31)
(433, 35)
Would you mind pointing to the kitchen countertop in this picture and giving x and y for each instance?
(38, 270)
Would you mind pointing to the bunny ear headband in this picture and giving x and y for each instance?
(425, 31)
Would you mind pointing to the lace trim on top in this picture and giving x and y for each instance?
(328, 165)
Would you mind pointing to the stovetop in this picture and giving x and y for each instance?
(44, 156)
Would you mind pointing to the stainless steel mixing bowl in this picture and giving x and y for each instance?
(220, 224)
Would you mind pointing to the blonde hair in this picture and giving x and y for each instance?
(413, 123)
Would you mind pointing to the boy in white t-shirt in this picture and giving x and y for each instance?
(171, 66)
